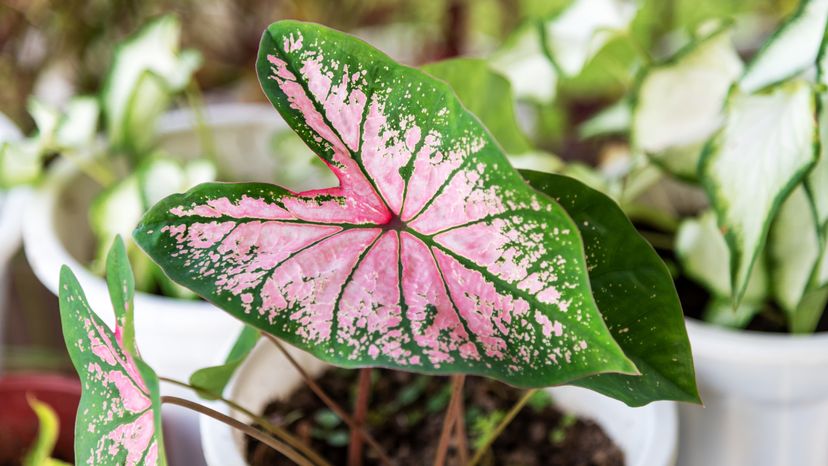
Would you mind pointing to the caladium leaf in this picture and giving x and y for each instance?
(720, 312)
(582, 29)
(767, 144)
(523, 61)
(679, 103)
(47, 434)
(211, 380)
(702, 252)
(432, 254)
(119, 417)
(636, 296)
(793, 250)
(486, 94)
(792, 49)
(148, 67)
(817, 181)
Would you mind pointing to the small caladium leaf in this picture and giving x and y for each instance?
(792, 49)
(47, 435)
(767, 144)
(211, 380)
(793, 250)
(817, 181)
(147, 69)
(71, 131)
(702, 252)
(809, 311)
(431, 255)
(720, 311)
(679, 103)
(119, 417)
(636, 296)
(523, 61)
(486, 94)
(582, 29)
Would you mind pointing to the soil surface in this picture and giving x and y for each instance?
(406, 415)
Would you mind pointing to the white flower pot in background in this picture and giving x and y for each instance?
(765, 396)
(12, 204)
(175, 336)
(648, 435)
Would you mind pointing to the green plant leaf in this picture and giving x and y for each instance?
(119, 416)
(486, 94)
(765, 148)
(148, 67)
(387, 268)
(212, 380)
(792, 49)
(47, 435)
(523, 62)
(702, 251)
(793, 250)
(817, 181)
(580, 31)
(720, 312)
(679, 103)
(636, 296)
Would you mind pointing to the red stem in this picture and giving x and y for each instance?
(457, 382)
(360, 410)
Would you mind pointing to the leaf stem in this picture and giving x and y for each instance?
(277, 431)
(246, 429)
(478, 455)
(360, 410)
(460, 435)
(196, 101)
(330, 403)
(457, 382)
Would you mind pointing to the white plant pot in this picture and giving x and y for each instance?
(12, 204)
(176, 336)
(648, 435)
(765, 396)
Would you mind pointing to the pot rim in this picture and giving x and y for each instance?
(657, 428)
(764, 348)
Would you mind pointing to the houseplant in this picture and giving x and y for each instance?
(746, 144)
(505, 291)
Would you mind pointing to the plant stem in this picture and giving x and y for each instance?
(460, 436)
(360, 410)
(208, 145)
(457, 382)
(277, 431)
(246, 429)
(330, 403)
(478, 455)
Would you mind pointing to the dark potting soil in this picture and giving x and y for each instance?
(406, 414)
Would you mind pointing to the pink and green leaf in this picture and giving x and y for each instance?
(119, 420)
(432, 254)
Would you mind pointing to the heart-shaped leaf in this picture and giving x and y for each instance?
(119, 417)
(793, 48)
(635, 293)
(431, 255)
(679, 103)
(765, 148)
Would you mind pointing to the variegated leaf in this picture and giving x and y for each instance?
(765, 148)
(119, 417)
(431, 255)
